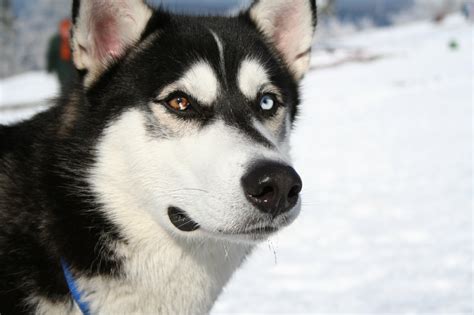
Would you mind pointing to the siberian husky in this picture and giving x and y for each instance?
(148, 183)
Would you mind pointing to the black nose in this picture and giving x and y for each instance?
(272, 187)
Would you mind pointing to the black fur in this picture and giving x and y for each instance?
(75, 10)
(47, 210)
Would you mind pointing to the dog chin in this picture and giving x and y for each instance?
(184, 226)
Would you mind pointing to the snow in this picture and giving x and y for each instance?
(384, 146)
(27, 88)
(23, 95)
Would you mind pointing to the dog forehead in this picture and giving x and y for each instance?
(216, 66)
(240, 64)
(199, 80)
(252, 77)
(226, 64)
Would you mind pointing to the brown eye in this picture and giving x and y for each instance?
(179, 103)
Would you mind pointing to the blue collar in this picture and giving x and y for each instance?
(75, 293)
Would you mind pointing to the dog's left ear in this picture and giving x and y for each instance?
(289, 25)
(104, 30)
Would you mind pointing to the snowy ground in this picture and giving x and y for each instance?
(23, 95)
(385, 149)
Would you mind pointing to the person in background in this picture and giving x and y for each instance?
(59, 58)
(468, 10)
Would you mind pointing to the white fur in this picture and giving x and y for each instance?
(252, 77)
(46, 307)
(220, 46)
(289, 25)
(200, 81)
(165, 277)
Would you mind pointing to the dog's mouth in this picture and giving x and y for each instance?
(181, 220)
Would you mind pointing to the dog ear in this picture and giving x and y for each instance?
(289, 25)
(104, 30)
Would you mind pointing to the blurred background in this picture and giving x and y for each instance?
(27, 26)
(384, 144)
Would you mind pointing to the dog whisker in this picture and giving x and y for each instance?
(272, 249)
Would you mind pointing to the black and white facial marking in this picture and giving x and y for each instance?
(199, 114)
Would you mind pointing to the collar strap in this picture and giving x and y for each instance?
(76, 294)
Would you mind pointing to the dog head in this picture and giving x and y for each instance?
(198, 113)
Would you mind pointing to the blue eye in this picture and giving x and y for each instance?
(267, 102)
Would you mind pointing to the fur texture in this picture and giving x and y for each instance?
(94, 179)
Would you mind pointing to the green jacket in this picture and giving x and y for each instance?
(63, 68)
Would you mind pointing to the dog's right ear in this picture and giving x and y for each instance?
(104, 30)
(289, 25)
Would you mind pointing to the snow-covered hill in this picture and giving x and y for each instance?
(384, 144)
